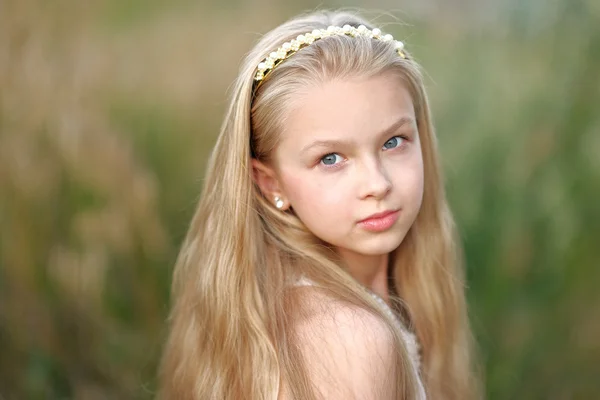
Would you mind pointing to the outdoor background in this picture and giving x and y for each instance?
(108, 110)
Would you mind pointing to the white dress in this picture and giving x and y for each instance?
(410, 340)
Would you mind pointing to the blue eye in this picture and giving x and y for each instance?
(394, 142)
(331, 159)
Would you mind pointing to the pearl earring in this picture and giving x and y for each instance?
(278, 202)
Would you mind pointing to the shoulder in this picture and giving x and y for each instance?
(348, 351)
(322, 315)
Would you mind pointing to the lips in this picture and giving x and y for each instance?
(380, 222)
(378, 215)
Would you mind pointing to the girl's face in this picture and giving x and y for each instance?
(350, 150)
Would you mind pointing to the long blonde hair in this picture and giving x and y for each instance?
(231, 330)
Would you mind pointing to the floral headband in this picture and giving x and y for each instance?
(266, 66)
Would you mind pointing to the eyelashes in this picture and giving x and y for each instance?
(330, 159)
(334, 160)
(393, 143)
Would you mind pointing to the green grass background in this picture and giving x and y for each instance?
(108, 110)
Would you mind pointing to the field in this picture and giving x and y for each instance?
(108, 111)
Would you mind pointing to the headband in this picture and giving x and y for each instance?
(266, 66)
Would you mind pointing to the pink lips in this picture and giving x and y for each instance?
(379, 222)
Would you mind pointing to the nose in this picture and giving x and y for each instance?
(374, 180)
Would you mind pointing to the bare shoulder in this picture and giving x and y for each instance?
(320, 314)
(348, 351)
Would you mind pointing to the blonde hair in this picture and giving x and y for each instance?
(231, 333)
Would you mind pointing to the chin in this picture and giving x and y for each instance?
(379, 244)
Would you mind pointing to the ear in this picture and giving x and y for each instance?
(268, 183)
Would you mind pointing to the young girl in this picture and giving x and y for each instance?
(321, 262)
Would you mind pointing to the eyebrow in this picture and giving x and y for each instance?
(387, 131)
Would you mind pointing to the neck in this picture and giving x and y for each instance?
(370, 271)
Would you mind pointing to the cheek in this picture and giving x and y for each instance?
(409, 180)
(416, 181)
(314, 200)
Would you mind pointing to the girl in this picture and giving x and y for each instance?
(321, 262)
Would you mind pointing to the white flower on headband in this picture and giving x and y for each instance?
(289, 48)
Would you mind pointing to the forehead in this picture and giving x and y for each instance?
(347, 109)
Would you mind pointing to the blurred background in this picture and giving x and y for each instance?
(108, 110)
